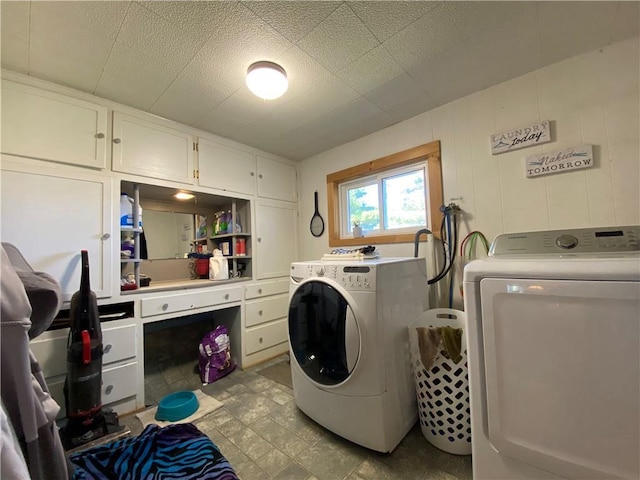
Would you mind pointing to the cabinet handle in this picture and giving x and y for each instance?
(100, 135)
(108, 390)
(259, 290)
(116, 140)
(260, 176)
(260, 312)
(259, 239)
(226, 297)
(107, 348)
(253, 174)
(106, 236)
(165, 306)
(260, 340)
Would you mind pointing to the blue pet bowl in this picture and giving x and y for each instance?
(176, 406)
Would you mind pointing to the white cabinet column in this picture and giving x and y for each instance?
(276, 238)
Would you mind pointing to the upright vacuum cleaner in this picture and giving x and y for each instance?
(86, 419)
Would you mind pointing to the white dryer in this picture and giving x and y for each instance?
(348, 340)
(554, 359)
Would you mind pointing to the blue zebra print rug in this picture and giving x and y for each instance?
(178, 451)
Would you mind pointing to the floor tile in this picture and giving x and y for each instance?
(273, 462)
(293, 472)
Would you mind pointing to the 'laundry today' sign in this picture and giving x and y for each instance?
(573, 158)
(535, 134)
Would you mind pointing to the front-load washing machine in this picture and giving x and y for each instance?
(553, 332)
(349, 345)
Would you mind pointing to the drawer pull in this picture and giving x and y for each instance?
(99, 135)
(165, 306)
(260, 312)
(226, 297)
(259, 290)
(106, 236)
(260, 340)
(107, 348)
(108, 390)
(116, 141)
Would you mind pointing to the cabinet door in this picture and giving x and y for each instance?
(150, 149)
(50, 218)
(277, 180)
(49, 126)
(276, 238)
(226, 168)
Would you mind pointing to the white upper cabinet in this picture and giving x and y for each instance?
(225, 168)
(277, 180)
(49, 126)
(51, 214)
(150, 149)
(276, 238)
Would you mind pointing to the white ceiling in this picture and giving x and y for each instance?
(354, 67)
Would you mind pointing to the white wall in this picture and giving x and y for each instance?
(592, 98)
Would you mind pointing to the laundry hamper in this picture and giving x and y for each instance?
(443, 390)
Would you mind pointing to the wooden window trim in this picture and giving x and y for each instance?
(429, 152)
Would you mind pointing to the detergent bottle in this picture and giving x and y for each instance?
(218, 266)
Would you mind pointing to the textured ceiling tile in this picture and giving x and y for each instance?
(148, 33)
(101, 18)
(507, 50)
(241, 41)
(371, 70)
(14, 53)
(397, 91)
(339, 40)
(432, 34)
(568, 28)
(444, 74)
(627, 22)
(200, 18)
(48, 63)
(138, 93)
(472, 18)
(293, 20)
(385, 19)
(15, 19)
(186, 101)
(241, 108)
(135, 64)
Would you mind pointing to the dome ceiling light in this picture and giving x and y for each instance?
(267, 80)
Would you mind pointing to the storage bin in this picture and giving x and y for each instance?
(442, 391)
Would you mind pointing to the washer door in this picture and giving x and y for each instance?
(323, 333)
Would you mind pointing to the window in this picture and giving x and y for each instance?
(389, 198)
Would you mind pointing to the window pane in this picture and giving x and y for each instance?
(404, 200)
(364, 208)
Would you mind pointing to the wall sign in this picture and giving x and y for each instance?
(535, 134)
(572, 158)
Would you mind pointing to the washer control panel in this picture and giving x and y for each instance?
(579, 240)
(351, 277)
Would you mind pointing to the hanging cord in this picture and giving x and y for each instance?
(449, 246)
(468, 250)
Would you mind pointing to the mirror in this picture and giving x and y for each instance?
(170, 225)
(168, 234)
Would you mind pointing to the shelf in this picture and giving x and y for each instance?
(199, 239)
(237, 257)
(230, 235)
(131, 229)
(130, 260)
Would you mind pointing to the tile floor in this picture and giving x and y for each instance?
(264, 435)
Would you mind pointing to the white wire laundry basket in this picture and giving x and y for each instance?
(443, 390)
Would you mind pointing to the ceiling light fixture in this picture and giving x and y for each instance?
(267, 80)
(184, 196)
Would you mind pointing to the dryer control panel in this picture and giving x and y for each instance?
(578, 240)
(351, 277)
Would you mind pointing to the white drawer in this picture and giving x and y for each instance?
(265, 336)
(261, 311)
(188, 301)
(266, 288)
(51, 351)
(117, 383)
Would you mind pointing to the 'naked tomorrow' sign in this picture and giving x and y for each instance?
(572, 158)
